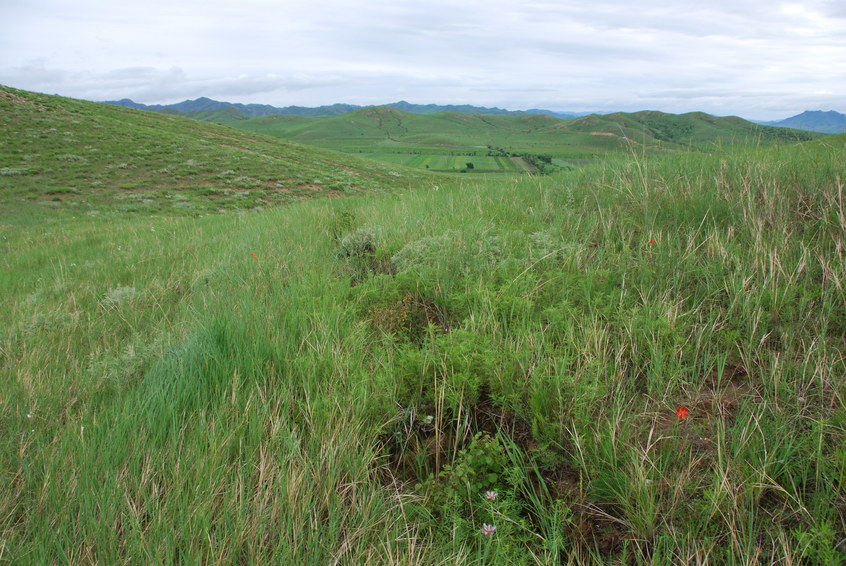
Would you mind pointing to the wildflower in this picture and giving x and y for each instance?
(681, 412)
(488, 530)
(29, 415)
(652, 242)
(490, 495)
(254, 255)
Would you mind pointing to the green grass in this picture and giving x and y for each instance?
(83, 157)
(341, 381)
(394, 136)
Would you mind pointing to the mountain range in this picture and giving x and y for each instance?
(207, 104)
(830, 122)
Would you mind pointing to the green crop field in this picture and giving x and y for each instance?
(640, 360)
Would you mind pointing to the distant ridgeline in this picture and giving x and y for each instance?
(830, 122)
(207, 104)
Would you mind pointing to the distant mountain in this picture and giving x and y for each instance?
(815, 121)
(208, 105)
(468, 109)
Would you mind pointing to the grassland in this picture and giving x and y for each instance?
(69, 154)
(341, 381)
(449, 141)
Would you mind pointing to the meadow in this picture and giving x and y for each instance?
(638, 361)
(540, 144)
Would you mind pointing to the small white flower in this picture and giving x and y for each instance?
(29, 415)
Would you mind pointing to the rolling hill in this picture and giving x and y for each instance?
(68, 152)
(492, 143)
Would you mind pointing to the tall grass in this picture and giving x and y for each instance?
(341, 382)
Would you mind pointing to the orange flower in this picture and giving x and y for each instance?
(682, 412)
(254, 255)
(652, 242)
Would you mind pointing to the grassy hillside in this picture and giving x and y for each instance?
(691, 129)
(70, 153)
(639, 362)
(448, 141)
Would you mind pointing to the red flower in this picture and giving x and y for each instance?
(254, 255)
(682, 412)
(652, 242)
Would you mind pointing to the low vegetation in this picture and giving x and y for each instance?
(640, 361)
(447, 141)
(63, 153)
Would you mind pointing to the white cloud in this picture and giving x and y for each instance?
(752, 58)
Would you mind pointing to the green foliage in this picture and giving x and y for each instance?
(459, 487)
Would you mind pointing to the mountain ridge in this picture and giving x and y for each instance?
(826, 122)
(256, 110)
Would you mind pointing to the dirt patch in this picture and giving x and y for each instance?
(410, 317)
(596, 528)
(13, 98)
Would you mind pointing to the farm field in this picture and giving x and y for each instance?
(640, 360)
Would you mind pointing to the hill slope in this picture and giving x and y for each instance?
(72, 152)
(396, 136)
(691, 128)
(636, 363)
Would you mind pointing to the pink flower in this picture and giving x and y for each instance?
(488, 530)
(490, 495)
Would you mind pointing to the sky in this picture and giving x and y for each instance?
(759, 59)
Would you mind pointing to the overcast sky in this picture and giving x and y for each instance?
(760, 59)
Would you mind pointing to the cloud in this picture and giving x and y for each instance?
(562, 54)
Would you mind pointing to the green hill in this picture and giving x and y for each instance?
(501, 143)
(66, 152)
(696, 128)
